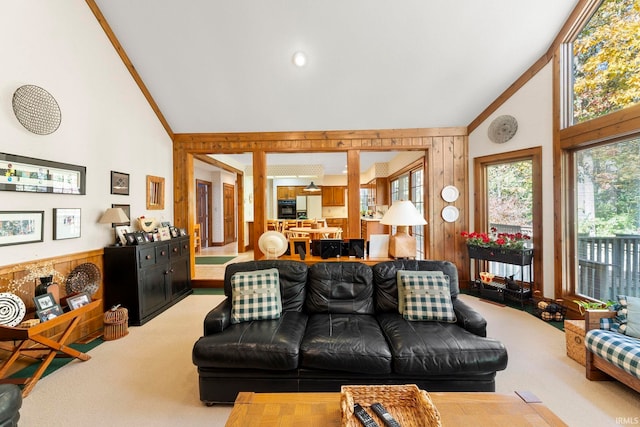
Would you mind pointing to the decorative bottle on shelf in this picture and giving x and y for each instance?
(47, 285)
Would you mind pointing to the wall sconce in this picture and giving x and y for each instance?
(402, 214)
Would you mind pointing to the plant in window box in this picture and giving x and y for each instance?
(511, 248)
(584, 305)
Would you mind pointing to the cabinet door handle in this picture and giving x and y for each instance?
(175, 249)
(169, 271)
(148, 257)
(163, 253)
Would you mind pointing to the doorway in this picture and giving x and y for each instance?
(204, 202)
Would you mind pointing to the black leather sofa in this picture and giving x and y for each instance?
(340, 325)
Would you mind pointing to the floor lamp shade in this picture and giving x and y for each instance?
(402, 214)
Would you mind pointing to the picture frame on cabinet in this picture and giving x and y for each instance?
(44, 301)
(66, 223)
(165, 233)
(121, 230)
(131, 238)
(174, 231)
(49, 313)
(120, 183)
(78, 300)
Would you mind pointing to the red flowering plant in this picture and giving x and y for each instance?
(496, 240)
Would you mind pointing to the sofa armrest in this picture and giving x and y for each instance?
(469, 319)
(592, 318)
(219, 318)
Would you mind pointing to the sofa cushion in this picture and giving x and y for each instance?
(385, 279)
(345, 342)
(262, 344)
(428, 348)
(293, 279)
(621, 350)
(255, 295)
(424, 295)
(633, 317)
(340, 287)
(399, 275)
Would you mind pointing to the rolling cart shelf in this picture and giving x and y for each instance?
(499, 292)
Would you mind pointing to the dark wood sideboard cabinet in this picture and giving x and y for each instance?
(147, 279)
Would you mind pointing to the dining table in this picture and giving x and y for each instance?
(315, 232)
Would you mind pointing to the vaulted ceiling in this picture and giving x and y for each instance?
(226, 66)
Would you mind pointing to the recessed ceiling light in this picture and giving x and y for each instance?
(300, 59)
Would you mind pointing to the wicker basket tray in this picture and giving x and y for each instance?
(409, 405)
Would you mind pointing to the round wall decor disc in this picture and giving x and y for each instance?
(36, 109)
(273, 244)
(502, 129)
(12, 309)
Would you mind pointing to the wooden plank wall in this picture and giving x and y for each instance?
(21, 279)
(446, 163)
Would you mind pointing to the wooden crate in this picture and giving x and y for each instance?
(574, 335)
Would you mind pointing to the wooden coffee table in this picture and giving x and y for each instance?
(456, 409)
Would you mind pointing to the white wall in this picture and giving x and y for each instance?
(532, 107)
(106, 122)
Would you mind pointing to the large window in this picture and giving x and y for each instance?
(607, 212)
(606, 61)
(410, 186)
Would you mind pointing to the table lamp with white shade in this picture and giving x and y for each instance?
(402, 214)
(113, 216)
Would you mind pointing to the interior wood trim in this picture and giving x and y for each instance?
(127, 62)
(213, 162)
(584, 7)
(308, 140)
(481, 208)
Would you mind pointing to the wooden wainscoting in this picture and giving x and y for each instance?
(22, 278)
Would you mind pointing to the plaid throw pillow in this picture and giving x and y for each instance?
(426, 297)
(255, 295)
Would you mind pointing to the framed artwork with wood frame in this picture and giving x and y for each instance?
(155, 192)
(299, 244)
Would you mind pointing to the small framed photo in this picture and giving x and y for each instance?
(78, 300)
(131, 238)
(66, 223)
(183, 231)
(165, 224)
(121, 230)
(164, 233)
(119, 183)
(49, 313)
(174, 232)
(44, 301)
(127, 211)
(141, 237)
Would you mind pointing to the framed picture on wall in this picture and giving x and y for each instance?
(19, 227)
(66, 223)
(119, 183)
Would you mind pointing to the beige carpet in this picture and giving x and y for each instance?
(147, 378)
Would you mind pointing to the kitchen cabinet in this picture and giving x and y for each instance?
(333, 195)
(378, 192)
(147, 279)
(290, 192)
(339, 222)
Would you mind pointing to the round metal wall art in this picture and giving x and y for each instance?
(36, 109)
(84, 278)
(502, 129)
(12, 309)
